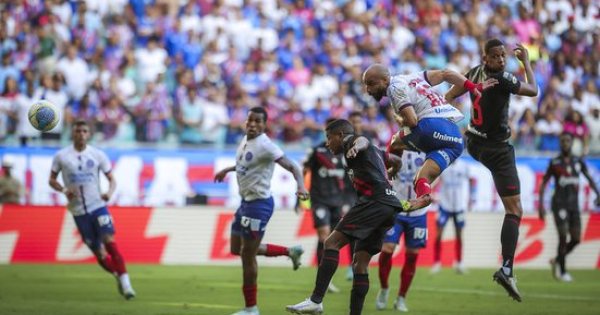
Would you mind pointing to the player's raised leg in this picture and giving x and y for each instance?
(509, 237)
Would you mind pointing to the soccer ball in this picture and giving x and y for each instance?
(43, 115)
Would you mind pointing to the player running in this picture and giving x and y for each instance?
(366, 222)
(80, 165)
(255, 160)
(487, 142)
(453, 203)
(428, 121)
(414, 227)
(565, 169)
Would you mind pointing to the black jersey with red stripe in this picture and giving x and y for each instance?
(368, 174)
(566, 170)
(327, 176)
(489, 114)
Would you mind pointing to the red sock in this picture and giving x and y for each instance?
(408, 272)
(117, 259)
(422, 187)
(276, 250)
(385, 266)
(107, 264)
(458, 250)
(249, 294)
(437, 250)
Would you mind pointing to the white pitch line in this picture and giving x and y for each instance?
(532, 295)
(181, 304)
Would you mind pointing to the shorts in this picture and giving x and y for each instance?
(93, 226)
(566, 216)
(251, 218)
(458, 218)
(499, 158)
(439, 138)
(324, 215)
(367, 222)
(413, 228)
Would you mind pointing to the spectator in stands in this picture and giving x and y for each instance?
(11, 189)
(112, 118)
(549, 129)
(190, 118)
(578, 129)
(525, 135)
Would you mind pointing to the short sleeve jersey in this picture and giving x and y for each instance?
(455, 187)
(81, 173)
(255, 162)
(404, 182)
(327, 176)
(566, 178)
(414, 90)
(489, 118)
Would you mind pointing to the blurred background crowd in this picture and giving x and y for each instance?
(186, 72)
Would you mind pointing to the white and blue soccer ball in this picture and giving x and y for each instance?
(43, 115)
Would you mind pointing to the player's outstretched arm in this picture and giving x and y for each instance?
(541, 209)
(416, 204)
(220, 176)
(291, 167)
(112, 185)
(528, 88)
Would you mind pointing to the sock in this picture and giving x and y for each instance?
(107, 264)
(327, 268)
(249, 294)
(508, 238)
(408, 273)
(560, 258)
(360, 287)
(125, 282)
(437, 250)
(319, 252)
(117, 259)
(276, 250)
(422, 187)
(385, 266)
(458, 249)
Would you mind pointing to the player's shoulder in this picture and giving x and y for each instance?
(64, 152)
(508, 77)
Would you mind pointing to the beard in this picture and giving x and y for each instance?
(378, 96)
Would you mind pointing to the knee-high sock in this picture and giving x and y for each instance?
(250, 294)
(118, 261)
(437, 250)
(360, 287)
(408, 273)
(327, 268)
(319, 252)
(385, 266)
(509, 237)
(107, 264)
(276, 250)
(458, 248)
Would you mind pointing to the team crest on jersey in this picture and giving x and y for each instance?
(249, 156)
(89, 163)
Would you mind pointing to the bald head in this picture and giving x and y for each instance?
(376, 79)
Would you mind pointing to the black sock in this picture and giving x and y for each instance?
(560, 258)
(319, 252)
(327, 267)
(360, 287)
(509, 237)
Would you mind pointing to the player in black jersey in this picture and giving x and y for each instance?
(565, 169)
(366, 222)
(487, 141)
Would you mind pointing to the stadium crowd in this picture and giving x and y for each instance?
(188, 71)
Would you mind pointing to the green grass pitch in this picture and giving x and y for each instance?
(86, 289)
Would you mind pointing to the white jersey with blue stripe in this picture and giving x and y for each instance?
(403, 183)
(414, 90)
(455, 187)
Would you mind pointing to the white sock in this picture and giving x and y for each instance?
(252, 308)
(124, 279)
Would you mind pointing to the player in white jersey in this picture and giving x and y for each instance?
(414, 227)
(428, 121)
(454, 197)
(255, 160)
(80, 165)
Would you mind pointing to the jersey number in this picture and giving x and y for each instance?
(476, 112)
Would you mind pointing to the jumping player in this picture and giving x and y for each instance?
(414, 227)
(80, 165)
(487, 142)
(453, 203)
(366, 222)
(255, 160)
(428, 121)
(565, 169)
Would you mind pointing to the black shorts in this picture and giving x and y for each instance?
(566, 216)
(499, 158)
(324, 215)
(367, 222)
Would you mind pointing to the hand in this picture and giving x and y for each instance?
(106, 197)
(352, 152)
(302, 193)
(70, 193)
(542, 213)
(393, 171)
(220, 176)
(521, 53)
(488, 84)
